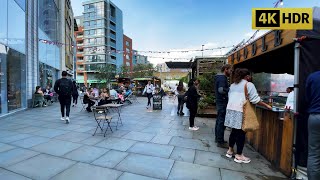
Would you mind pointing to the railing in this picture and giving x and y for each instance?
(113, 27)
(113, 44)
(113, 36)
(112, 18)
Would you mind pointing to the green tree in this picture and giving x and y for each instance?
(106, 73)
(143, 70)
(124, 71)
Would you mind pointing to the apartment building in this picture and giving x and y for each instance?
(138, 58)
(127, 54)
(103, 38)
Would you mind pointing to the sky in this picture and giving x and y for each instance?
(170, 25)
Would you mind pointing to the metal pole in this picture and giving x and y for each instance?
(295, 106)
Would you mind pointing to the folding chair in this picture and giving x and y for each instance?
(100, 115)
(83, 105)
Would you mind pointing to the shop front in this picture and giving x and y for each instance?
(282, 137)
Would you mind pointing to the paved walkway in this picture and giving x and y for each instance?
(35, 144)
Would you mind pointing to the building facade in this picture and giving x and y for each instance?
(138, 58)
(81, 76)
(30, 50)
(127, 54)
(103, 38)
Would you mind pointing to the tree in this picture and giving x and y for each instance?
(143, 70)
(125, 71)
(106, 73)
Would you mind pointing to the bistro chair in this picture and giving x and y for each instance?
(100, 116)
(84, 106)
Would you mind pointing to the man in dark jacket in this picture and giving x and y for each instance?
(221, 93)
(64, 88)
(313, 99)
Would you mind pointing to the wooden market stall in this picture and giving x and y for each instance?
(140, 83)
(282, 137)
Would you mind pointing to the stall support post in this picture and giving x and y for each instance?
(295, 107)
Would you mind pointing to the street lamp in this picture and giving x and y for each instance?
(202, 51)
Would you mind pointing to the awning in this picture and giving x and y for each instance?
(142, 79)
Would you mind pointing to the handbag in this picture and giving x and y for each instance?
(250, 120)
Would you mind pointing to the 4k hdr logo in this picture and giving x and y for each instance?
(282, 18)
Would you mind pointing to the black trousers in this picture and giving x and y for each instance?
(314, 147)
(90, 104)
(193, 113)
(219, 128)
(75, 98)
(65, 103)
(237, 136)
(180, 103)
(149, 95)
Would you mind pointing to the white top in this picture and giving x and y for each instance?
(237, 96)
(149, 88)
(290, 101)
(113, 93)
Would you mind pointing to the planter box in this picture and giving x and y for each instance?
(210, 112)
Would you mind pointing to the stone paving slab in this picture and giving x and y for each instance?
(30, 142)
(5, 147)
(14, 137)
(7, 175)
(130, 176)
(50, 133)
(83, 171)
(146, 165)
(56, 147)
(188, 143)
(13, 156)
(41, 166)
(150, 149)
(184, 170)
(73, 137)
(161, 139)
(138, 136)
(111, 159)
(183, 154)
(86, 154)
(116, 144)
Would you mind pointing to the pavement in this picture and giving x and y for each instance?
(36, 144)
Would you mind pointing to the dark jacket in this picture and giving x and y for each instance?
(313, 92)
(192, 97)
(58, 86)
(221, 88)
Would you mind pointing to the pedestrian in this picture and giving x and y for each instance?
(313, 100)
(148, 90)
(75, 94)
(180, 91)
(234, 114)
(64, 88)
(192, 97)
(221, 93)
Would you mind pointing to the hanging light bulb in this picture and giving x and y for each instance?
(281, 2)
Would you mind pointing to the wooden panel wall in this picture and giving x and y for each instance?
(274, 139)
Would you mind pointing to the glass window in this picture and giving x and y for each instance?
(87, 15)
(22, 4)
(3, 22)
(127, 43)
(127, 57)
(92, 32)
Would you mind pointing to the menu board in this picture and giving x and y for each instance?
(157, 102)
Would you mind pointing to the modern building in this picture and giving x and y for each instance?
(30, 50)
(139, 59)
(81, 77)
(162, 67)
(103, 37)
(67, 36)
(127, 54)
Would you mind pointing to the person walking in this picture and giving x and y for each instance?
(234, 113)
(313, 100)
(75, 94)
(192, 97)
(148, 89)
(221, 92)
(180, 91)
(64, 88)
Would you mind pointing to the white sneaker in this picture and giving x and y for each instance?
(63, 119)
(194, 128)
(67, 120)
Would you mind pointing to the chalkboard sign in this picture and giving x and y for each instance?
(157, 102)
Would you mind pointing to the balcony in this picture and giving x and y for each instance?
(113, 36)
(113, 27)
(80, 44)
(80, 37)
(112, 19)
(113, 44)
(80, 52)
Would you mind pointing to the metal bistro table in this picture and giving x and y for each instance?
(117, 107)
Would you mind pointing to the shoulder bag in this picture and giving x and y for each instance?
(250, 120)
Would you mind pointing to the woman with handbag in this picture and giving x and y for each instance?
(242, 94)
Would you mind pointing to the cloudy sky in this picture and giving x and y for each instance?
(162, 25)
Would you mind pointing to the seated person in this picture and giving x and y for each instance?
(86, 99)
(48, 94)
(105, 97)
(39, 91)
(113, 94)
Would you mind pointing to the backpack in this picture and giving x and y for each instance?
(65, 87)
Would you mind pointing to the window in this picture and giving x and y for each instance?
(127, 57)
(128, 50)
(127, 43)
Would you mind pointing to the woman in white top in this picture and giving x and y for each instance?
(234, 114)
(149, 89)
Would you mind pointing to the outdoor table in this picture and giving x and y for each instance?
(117, 107)
(95, 99)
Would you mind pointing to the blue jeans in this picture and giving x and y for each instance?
(219, 128)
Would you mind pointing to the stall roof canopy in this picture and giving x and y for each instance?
(274, 51)
(179, 65)
(142, 79)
